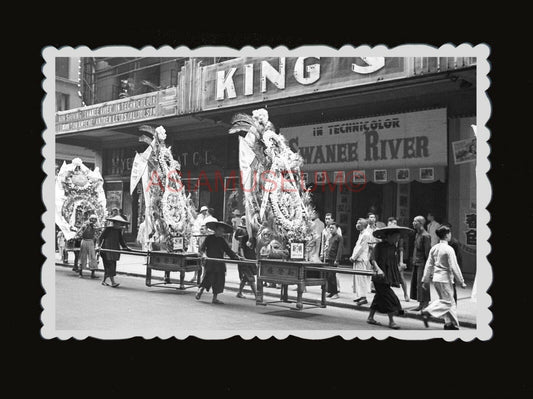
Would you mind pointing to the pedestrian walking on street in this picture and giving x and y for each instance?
(214, 246)
(61, 244)
(384, 261)
(421, 247)
(74, 245)
(333, 258)
(247, 250)
(442, 268)
(87, 233)
(361, 261)
(454, 243)
(112, 238)
(392, 221)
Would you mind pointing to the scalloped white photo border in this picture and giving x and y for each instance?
(483, 330)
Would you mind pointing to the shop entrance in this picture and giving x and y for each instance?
(379, 198)
(428, 197)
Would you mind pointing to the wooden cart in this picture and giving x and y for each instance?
(173, 262)
(287, 273)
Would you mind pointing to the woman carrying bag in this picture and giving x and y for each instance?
(112, 238)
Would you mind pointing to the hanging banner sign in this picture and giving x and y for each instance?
(119, 112)
(414, 139)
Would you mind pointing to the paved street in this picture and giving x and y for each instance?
(84, 304)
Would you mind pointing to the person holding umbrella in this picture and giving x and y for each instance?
(384, 260)
(112, 238)
(214, 246)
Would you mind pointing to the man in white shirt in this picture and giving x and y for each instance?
(441, 267)
(203, 218)
(432, 227)
(361, 261)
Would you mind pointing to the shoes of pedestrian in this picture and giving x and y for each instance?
(198, 295)
(450, 326)
(394, 326)
(93, 275)
(425, 318)
(115, 285)
(362, 302)
(239, 295)
(104, 283)
(329, 295)
(336, 296)
(218, 302)
(373, 322)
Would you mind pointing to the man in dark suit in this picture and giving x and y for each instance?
(421, 248)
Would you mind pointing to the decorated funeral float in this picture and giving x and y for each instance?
(166, 231)
(278, 207)
(79, 194)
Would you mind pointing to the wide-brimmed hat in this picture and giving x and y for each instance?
(385, 231)
(119, 219)
(213, 226)
(204, 208)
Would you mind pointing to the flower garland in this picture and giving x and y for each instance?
(170, 206)
(78, 190)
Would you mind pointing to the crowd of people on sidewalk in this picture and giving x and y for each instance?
(379, 248)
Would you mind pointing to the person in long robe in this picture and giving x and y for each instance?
(442, 268)
(421, 247)
(215, 246)
(247, 249)
(384, 261)
(361, 261)
(112, 238)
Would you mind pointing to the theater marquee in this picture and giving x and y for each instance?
(410, 140)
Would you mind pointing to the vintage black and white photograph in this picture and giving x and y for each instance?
(339, 176)
(464, 151)
(402, 175)
(297, 250)
(427, 174)
(358, 176)
(134, 250)
(380, 175)
(320, 177)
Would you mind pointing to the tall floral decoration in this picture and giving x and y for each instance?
(169, 210)
(275, 196)
(78, 193)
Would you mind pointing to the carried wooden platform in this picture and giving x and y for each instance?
(287, 273)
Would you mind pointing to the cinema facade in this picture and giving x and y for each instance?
(391, 135)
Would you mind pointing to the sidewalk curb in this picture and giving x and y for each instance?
(234, 288)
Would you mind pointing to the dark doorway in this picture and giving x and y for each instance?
(428, 197)
(371, 197)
